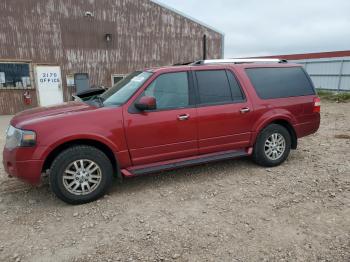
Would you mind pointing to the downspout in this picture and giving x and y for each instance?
(204, 47)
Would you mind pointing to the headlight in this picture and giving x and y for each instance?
(19, 138)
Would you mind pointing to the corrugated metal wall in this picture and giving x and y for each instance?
(12, 101)
(144, 34)
(329, 73)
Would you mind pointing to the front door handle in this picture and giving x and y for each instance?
(245, 110)
(183, 117)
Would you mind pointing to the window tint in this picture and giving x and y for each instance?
(280, 82)
(237, 93)
(170, 90)
(124, 89)
(213, 87)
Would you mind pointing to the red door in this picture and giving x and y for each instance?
(170, 131)
(224, 114)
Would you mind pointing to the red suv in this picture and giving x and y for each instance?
(164, 118)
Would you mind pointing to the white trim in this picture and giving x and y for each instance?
(115, 75)
(188, 17)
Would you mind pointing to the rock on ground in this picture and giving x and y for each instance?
(227, 211)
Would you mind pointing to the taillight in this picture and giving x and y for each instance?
(317, 105)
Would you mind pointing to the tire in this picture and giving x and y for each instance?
(88, 168)
(268, 154)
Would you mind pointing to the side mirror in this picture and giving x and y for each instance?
(146, 103)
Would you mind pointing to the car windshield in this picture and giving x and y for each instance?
(124, 89)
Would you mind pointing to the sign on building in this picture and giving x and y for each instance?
(49, 84)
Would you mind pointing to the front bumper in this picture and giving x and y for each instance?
(16, 164)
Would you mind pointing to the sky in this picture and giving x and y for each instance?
(273, 27)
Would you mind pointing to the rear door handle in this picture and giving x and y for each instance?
(245, 110)
(183, 117)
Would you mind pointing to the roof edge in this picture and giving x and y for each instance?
(318, 55)
(188, 17)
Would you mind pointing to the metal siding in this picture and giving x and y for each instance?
(144, 34)
(325, 82)
(308, 56)
(346, 68)
(345, 83)
(320, 60)
(328, 73)
(12, 101)
(324, 68)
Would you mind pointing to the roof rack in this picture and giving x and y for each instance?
(183, 63)
(240, 61)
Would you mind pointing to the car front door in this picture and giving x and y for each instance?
(224, 113)
(170, 131)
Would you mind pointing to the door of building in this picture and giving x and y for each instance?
(81, 82)
(49, 85)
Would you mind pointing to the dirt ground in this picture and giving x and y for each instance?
(225, 211)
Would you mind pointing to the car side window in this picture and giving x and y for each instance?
(280, 82)
(237, 93)
(171, 90)
(213, 87)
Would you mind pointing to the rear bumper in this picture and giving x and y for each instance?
(27, 170)
(307, 128)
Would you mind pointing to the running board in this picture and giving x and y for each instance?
(192, 162)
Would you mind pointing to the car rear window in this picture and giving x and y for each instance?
(280, 82)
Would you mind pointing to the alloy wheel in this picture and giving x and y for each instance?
(275, 146)
(82, 177)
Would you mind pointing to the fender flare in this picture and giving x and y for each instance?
(286, 118)
(50, 151)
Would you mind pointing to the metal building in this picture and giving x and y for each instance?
(50, 48)
(328, 70)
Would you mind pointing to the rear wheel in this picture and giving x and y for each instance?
(81, 174)
(272, 146)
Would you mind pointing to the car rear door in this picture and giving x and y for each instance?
(170, 131)
(224, 112)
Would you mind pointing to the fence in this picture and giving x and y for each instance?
(330, 74)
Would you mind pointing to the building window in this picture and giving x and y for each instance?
(15, 76)
(116, 78)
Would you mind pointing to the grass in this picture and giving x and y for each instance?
(334, 96)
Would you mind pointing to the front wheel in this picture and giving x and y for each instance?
(81, 174)
(272, 146)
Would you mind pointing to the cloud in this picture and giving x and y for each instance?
(270, 27)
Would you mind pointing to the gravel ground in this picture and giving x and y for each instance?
(226, 211)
